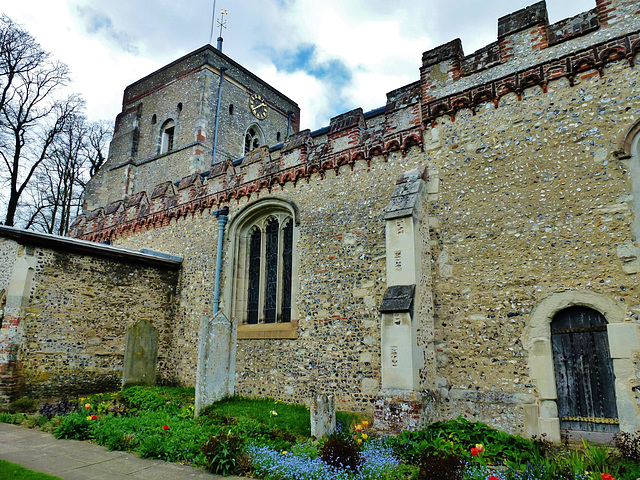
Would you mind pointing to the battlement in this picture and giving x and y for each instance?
(349, 140)
(529, 52)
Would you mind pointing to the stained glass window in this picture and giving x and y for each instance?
(271, 273)
(287, 264)
(264, 267)
(255, 258)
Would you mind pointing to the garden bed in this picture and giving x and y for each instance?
(270, 439)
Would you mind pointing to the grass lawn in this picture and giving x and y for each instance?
(16, 472)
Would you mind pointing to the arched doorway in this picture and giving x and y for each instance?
(583, 367)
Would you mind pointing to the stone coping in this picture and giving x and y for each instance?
(84, 247)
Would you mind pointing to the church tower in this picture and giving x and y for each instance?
(167, 126)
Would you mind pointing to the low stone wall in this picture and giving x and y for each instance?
(68, 312)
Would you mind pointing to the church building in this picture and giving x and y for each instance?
(470, 248)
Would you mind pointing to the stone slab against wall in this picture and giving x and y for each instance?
(140, 354)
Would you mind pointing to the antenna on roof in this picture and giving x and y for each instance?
(222, 23)
(213, 21)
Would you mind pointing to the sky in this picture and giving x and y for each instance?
(329, 56)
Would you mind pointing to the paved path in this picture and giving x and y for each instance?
(74, 460)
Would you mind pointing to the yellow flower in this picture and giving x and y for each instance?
(284, 452)
(365, 436)
(89, 417)
(359, 440)
(365, 423)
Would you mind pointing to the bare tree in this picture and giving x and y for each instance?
(99, 135)
(55, 194)
(31, 113)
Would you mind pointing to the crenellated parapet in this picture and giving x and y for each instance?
(529, 52)
(347, 141)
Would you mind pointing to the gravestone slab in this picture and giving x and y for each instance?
(141, 354)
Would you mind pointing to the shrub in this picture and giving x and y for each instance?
(14, 418)
(23, 405)
(628, 445)
(446, 467)
(341, 452)
(455, 437)
(35, 421)
(74, 426)
(154, 446)
(222, 453)
(64, 406)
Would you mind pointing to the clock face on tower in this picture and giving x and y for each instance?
(258, 106)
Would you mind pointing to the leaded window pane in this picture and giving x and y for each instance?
(271, 272)
(253, 300)
(287, 263)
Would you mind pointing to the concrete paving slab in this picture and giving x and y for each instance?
(74, 460)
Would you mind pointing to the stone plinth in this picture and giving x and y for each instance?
(398, 410)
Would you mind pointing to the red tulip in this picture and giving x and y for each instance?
(607, 476)
(474, 451)
(165, 427)
(94, 417)
(492, 477)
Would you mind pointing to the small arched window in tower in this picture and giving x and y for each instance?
(278, 136)
(179, 107)
(231, 109)
(167, 136)
(154, 119)
(253, 139)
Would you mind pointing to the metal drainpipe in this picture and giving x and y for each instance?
(215, 132)
(222, 216)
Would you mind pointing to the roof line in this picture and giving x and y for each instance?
(92, 249)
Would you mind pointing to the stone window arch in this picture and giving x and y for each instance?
(167, 136)
(543, 418)
(263, 265)
(253, 138)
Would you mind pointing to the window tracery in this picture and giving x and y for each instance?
(263, 284)
(253, 138)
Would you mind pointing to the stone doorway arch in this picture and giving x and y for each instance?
(623, 344)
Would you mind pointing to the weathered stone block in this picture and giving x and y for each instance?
(140, 354)
(623, 339)
(323, 415)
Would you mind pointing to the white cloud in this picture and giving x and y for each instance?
(313, 96)
(109, 45)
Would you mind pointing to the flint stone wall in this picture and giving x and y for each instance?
(71, 334)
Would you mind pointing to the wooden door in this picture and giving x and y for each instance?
(584, 371)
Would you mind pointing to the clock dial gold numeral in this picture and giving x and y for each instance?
(258, 106)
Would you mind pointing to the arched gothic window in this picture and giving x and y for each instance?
(264, 262)
(253, 138)
(167, 136)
